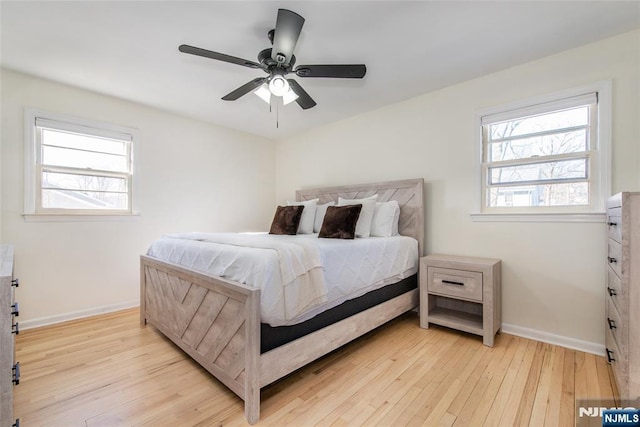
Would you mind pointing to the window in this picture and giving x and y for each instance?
(548, 156)
(75, 166)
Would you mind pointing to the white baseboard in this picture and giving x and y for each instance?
(521, 331)
(562, 341)
(64, 317)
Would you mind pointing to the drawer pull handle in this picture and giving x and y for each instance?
(612, 323)
(451, 282)
(17, 423)
(15, 309)
(15, 329)
(15, 283)
(612, 224)
(609, 356)
(16, 373)
(612, 260)
(612, 292)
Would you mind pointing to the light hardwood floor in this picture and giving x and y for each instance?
(109, 371)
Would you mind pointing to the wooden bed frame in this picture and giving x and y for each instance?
(217, 321)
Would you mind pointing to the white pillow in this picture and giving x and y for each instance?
(385, 219)
(363, 226)
(321, 210)
(308, 215)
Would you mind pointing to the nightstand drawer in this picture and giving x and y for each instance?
(457, 283)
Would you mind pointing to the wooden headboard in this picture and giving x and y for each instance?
(407, 192)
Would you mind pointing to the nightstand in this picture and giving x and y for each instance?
(461, 293)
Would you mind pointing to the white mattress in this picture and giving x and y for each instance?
(347, 268)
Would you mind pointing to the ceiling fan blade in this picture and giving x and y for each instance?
(288, 27)
(184, 48)
(244, 89)
(304, 100)
(353, 71)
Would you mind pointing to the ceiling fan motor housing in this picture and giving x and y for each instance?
(264, 57)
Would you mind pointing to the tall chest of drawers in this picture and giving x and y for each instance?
(9, 368)
(623, 292)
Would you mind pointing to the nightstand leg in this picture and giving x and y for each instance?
(424, 308)
(487, 339)
(487, 325)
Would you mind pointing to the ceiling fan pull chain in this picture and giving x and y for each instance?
(277, 115)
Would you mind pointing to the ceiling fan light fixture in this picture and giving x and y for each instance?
(279, 85)
(289, 97)
(264, 93)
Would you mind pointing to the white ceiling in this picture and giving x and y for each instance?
(130, 49)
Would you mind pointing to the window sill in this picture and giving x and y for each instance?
(539, 217)
(81, 217)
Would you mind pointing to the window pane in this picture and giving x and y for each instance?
(544, 122)
(565, 194)
(542, 145)
(56, 156)
(565, 169)
(69, 199)
(83, 142)
(68, 181)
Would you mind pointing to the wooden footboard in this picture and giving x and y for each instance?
(216, 322)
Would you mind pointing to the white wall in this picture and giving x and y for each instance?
(553, 274)
(191, 176)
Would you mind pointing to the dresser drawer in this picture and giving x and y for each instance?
(615, 291)
(614, 224)
(615, 325)
(614, 256)
(457, 283)
(617, 361)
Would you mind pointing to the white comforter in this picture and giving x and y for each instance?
(299, 276)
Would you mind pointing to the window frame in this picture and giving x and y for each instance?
(599, 155)
(33, 208)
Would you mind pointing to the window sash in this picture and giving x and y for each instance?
(126, 177)
(41, 169)
(584, 177)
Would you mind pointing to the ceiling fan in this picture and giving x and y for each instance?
(277, 62)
